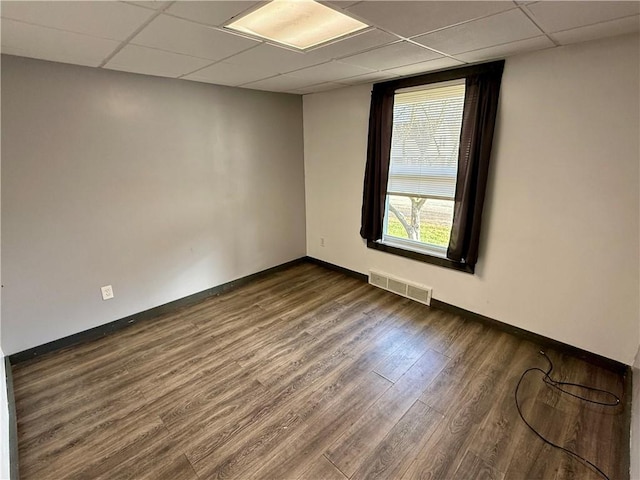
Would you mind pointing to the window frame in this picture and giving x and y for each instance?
(441, 76)
(406, 243)
(421, 257)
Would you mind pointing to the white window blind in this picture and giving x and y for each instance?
(425, 140)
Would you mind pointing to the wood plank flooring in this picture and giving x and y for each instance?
(309, 374)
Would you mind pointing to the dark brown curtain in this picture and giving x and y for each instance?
(476, 137)
(377, 169)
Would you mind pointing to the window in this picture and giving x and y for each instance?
(428, 156)
(423, 167)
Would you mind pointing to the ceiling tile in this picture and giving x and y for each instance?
(369, 78)
(224, 73)
(328, 72)
(557, 16)
(149, 61)
(152, 4)
(409, 18)
(494, 30)
(354, 44)
(211, 13)
(321, 87)
(391, 56)
(424, 67)
(502, 51)
(281, 83)
(599, 30)
(114, 20)
(56, 45)
(273, 60)
(339, 3)
(182, 36)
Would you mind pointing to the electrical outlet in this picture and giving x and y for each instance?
(107, 292)
(322, 241)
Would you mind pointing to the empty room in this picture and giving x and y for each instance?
(320, 240)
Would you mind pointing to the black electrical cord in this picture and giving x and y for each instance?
(560, 386)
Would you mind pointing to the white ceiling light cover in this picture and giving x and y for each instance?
(297, 23)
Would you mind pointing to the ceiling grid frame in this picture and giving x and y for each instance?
(359, 58)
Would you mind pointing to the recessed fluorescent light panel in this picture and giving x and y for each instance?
(300, 24)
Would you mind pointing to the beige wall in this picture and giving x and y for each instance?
(161, 188)
(561, 225)
(4, 405)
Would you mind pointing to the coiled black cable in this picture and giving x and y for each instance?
(615, 401)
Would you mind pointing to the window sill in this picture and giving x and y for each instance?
(421, 257)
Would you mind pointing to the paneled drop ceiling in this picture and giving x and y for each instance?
(186, 39)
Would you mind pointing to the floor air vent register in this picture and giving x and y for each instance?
(414, 291)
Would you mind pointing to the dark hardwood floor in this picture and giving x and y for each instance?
(309, 374)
